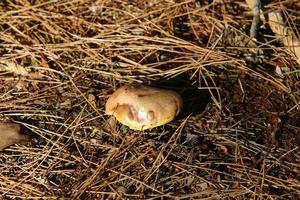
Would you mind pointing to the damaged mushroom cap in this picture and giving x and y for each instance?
(142, 107)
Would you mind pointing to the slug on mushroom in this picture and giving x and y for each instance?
(143, 107)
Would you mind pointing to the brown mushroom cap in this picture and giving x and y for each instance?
(142, 107)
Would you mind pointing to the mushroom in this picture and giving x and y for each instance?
(142, 107)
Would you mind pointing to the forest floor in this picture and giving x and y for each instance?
(237, 137)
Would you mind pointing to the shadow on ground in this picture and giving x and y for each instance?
(195, 99)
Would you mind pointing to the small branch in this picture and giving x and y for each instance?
(255, 6)
(255, 21)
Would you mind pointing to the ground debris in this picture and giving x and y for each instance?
(237, 136)
(238, 43)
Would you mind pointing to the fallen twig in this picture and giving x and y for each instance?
(255, 6)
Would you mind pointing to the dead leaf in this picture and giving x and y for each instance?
(10, 134)
(13, 67)
(288, 37)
